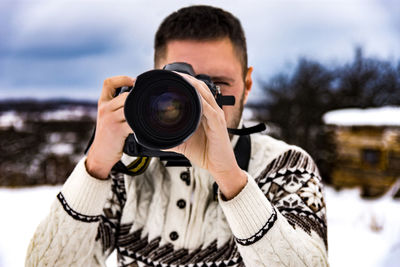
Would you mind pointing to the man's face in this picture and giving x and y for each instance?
(218, 60)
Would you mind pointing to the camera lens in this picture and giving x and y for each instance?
(163, 109)
(167, 109)
(167, 112)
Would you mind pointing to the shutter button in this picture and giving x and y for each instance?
(181, 203)
(185, 176)
(174, 236)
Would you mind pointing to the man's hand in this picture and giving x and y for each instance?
(111, 128)
(210, 147)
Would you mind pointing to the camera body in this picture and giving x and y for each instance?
(164, 110)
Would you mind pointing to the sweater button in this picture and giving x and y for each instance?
(181, 203)
(185, 176)
(174, 236)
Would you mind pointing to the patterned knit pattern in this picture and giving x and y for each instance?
(290, 182)
(278, 219)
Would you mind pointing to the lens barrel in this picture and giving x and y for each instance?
(163, 109)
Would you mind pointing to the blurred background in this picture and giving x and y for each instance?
(327, 78)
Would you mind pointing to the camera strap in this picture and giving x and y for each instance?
(137, 167)
(246, 131)
(242, 153)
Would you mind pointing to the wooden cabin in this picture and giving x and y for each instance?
(367, 148)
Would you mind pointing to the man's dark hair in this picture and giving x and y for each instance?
(201, 23)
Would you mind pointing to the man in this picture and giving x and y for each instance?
(271, 215)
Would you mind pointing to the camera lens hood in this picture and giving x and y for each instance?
(163, 109)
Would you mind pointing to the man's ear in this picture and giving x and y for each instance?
(248, 83)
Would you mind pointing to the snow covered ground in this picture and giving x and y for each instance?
(361, 232)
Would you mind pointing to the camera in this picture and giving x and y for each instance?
(164, 110)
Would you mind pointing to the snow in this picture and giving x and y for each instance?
(383, 116)
(57, 137)
(69, 114)
(59, 149)
(14, 119)
(11, 119)
(22, 211)
(360, 232)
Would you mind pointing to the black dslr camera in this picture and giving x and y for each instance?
(164, 110)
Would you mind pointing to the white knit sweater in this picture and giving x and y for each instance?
(170, 216)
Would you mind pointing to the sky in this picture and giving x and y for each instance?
(54, 48)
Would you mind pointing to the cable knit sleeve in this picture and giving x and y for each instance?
(278, 219)
(77, 232)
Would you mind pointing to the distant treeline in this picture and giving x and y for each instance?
(295, 102)
(35, 105)
(38, 149)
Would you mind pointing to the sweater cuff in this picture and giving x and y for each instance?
(85, 194)
(248, 212)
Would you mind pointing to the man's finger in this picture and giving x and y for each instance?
(202, 89)
(212, 116)
(110, 84)
(120, 115)
(118, 101)
(126, 129)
